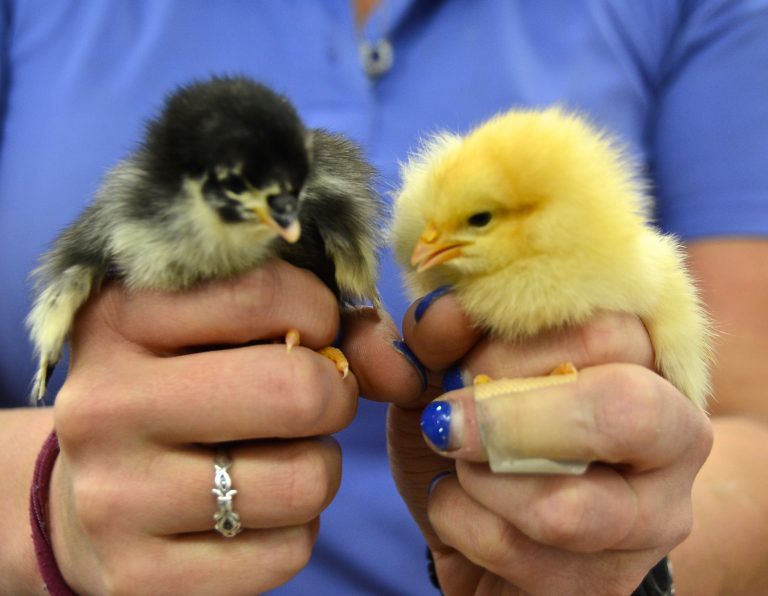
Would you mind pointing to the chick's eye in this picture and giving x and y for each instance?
(478, 220)
(233, 184)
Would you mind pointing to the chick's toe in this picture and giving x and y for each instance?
(336, 356)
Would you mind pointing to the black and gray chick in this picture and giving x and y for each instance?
(227, 177)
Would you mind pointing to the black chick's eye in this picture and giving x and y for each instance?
(478, 220)
(233, 184)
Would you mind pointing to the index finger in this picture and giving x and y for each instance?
(236, 394)
(379, 360)
(258, 305)
(614, 413)
(607, 337)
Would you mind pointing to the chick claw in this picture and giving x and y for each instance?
(335, 355)
(292, 338)
(564, 368)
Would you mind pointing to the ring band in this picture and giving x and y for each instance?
(227, 521)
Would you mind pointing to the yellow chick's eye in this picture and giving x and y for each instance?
(479, 220)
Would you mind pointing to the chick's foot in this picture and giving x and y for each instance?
(335, 355)
(564, 369)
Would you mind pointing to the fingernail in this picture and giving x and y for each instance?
(427, 301)
(453, 378)
(436, 480)
(403, 348)
(441, 425)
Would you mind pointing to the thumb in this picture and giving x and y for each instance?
(384, 366)
(415, 467)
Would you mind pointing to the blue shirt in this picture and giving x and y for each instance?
(683, 83)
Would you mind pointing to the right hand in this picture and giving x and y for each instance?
(149, 394)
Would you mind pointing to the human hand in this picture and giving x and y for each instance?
(150, 391)
(597, 533)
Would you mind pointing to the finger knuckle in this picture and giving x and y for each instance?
(89, 410)
(320, 403)
(601, 341)
(627, 418)
(131, 571)
(496, 553)
(271, 293)
(326, 317)
(607, 583)
(255, 294)
(293, 552)
(307, 392)
(75, 417)
(491, 543)
(560, 517)
(481, 540)
(93, 503)
(310, 484)
(704, 439)
(304, 544)
(614, 337)
(681, 525)
(123, 578)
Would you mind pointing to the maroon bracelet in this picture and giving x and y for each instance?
(38, 519)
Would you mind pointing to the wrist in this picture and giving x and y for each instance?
(39, 518)
(23, 432)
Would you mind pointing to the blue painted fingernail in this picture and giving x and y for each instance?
(453, 378)
(427, 301)
(403, 348)
(436, 480)
(436, 424)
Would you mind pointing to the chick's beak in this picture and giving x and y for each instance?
(281, 213)
(431, 249)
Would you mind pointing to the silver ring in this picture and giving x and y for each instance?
(227, 521)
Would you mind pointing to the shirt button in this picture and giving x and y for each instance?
(377, 57)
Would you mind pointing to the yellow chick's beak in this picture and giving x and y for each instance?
(431, 250)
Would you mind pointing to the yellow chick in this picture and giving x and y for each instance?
(538, 220)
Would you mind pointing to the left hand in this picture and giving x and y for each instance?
(598, 533)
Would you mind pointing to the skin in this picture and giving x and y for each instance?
(596, 534)
(168, 394)
(146, 438)
(144, 398)
(599, 533)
